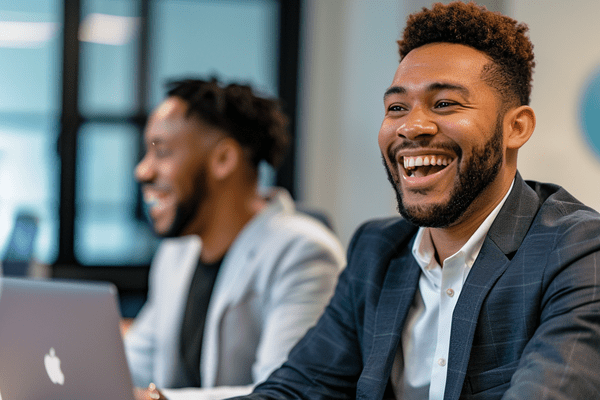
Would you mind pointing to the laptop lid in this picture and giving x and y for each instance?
(61, 340)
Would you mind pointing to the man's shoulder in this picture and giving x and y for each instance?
(284, 220)
(282, 229)
(559, 208)
(388, 228)
(383, 236)
(564, 220)
(295, 225)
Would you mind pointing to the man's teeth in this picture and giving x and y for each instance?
(151, 201)
(419, 161)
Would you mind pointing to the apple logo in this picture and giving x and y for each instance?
(52, 364)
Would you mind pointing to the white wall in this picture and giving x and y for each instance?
(349, 59)
(350, 56)
(566, 39)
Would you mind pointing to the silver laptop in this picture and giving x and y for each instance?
(61, 340)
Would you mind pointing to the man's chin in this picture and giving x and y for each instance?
(161, 229)
(161, 233)
(417, 218)
(170, 232)
(177, 226)
(430, 215)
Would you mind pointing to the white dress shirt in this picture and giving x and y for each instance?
(420, 367)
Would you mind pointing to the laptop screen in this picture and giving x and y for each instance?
(61, 340)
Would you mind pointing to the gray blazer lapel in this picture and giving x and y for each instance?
(503, 240)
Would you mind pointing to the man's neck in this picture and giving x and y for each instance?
(228, 217)
(449, 240)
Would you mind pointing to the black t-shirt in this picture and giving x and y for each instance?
(194, 318)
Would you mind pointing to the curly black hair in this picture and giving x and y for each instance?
(502, 38)
(258, 124)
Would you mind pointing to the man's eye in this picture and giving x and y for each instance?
(442, 104)
(396, 107)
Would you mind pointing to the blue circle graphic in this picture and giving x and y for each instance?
(590, 111)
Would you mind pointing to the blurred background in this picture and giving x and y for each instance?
(78, 79)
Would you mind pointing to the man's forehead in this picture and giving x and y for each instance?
(170, 108)
(170, 120)
(167, 120)
(443, 62)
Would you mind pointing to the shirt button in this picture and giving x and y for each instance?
(442, 362)
(450, 292)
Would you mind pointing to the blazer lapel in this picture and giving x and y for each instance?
(171, 274)
(236, 274)
(502, 241)
(489, 266)
(232, 281)
(397, 293)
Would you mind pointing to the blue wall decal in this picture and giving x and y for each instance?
(590, 111)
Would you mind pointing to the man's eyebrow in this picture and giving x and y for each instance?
(434, 87)
(394, 90)
(437, 86)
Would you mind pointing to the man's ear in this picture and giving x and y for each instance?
(519, 125)
(225, 157)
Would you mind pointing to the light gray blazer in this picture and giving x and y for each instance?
(273, 285)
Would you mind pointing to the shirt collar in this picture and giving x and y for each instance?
(424, 252)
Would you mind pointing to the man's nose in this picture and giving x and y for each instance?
(417, 123)
(143, 171)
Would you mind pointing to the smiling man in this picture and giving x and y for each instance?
(241, 275)
(488, 287)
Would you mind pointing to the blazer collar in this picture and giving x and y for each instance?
(503, 240)
(234, 277)
(515, 217)
(397, 294)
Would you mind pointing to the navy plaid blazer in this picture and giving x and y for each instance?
(526, 325)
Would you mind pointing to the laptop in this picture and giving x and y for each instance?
(61, 339)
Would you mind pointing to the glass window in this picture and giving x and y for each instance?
(109, 40)
(30, 46)
(107, 230)
(236, 40)
(29, 183)
(29, 49)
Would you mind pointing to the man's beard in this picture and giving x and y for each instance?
(479, 171)
(186, 211)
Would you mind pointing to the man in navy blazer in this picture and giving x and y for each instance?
(489, 286)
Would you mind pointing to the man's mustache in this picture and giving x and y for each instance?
(425, 145)
(155, 186)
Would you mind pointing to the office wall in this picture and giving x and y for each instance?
(566, 44)
(349, 59)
